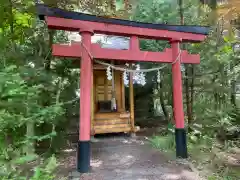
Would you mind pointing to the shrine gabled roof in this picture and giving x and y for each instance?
(44, 10)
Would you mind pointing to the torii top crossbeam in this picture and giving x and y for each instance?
(87, 25)
(73, 21)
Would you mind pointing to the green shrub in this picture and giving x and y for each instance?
(164, 143)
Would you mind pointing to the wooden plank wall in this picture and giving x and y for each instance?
(103, 88)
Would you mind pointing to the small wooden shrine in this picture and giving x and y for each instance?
(109, 114)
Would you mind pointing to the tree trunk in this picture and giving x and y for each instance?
(11, 18)
(49, 57)
(30, 149)
(233, 87)
(170, 94)
(188, 95)
(180, 4)
(127, 5)
(215, 95)
(233, 94)
(11, 23)
(113, 7)
(165, 111)
(47, 66)
(192, 92)
(189, 115)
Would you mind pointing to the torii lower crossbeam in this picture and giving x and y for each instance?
(76, 50)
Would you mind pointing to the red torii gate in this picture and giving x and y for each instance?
(87, 25)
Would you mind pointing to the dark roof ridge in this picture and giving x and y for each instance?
(44, 10)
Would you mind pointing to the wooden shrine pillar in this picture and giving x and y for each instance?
(131, 100)
(134, 47)
(83, 151)
(180, 132)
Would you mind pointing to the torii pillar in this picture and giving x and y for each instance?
(86, 73)
(178, 113)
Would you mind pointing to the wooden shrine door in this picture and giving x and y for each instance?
(104, 90)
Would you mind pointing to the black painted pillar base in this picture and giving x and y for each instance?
(83, 156)
(181, 143)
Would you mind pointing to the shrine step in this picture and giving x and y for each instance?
(111, 128)
(114, 115)
(111, 121)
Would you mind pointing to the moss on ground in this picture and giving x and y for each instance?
(210, 159)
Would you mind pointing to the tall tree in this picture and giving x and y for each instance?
(187, 69)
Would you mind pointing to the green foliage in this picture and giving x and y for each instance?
(30, 96)
(45, 172)
(19, 106)
(214, 85)
(164, 143)
(213, 81)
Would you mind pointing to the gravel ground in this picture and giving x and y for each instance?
(125, 158)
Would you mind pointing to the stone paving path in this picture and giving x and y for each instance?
(131, 159)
